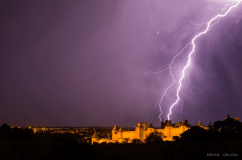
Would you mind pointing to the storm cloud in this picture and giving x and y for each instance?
(78, 63)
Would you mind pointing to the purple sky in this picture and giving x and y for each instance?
(73, 63)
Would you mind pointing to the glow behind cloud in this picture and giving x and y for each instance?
(209, 25)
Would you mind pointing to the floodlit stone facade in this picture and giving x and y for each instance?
(142, 131)
(169, 130)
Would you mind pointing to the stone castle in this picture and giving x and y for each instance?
(142, 131)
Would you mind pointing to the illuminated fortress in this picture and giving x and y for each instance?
(142, 131)
(169, 130)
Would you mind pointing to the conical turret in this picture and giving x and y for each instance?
(200, 124)
(120, 129)
(227, 117)
(169, 124)
(150, 126)
(95, 135)
(183, 124)
(115, 127)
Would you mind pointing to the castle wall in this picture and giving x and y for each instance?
(141, 132)
(129, 134)
(137, 132)
(170, 132)
(145, 134)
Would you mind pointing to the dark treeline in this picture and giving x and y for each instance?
(23, 144)
(230, 128)
(6, 132)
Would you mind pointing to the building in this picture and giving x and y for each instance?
(200, 125)
(233, 119)
(142, 131)
(228, 124)
(169, 130)
(95, 138)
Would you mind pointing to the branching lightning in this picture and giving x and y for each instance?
(209, 25)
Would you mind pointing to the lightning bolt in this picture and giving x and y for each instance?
(209, 24)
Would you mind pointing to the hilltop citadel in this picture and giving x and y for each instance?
(141, 131)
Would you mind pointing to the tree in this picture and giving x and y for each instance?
(195, 133)
(217, 125)
(229, 128)
(5, 131)
(154, 137)
(210, 127)
(175, 138)
(136, 141)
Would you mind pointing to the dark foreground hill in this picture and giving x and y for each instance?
(51, 150)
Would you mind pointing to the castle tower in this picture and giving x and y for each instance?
(120, 129)
(95, 137)
(144, 125)
(168, 124)
(168, 121)
(183, 126)
(162, 124)
(115, 128)
(138, 131)
(120, 133)
(168, 128)
(142, 130)
(200, 124)
(227, 117)
(186, 122)
(150, 128)
(114, 133)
